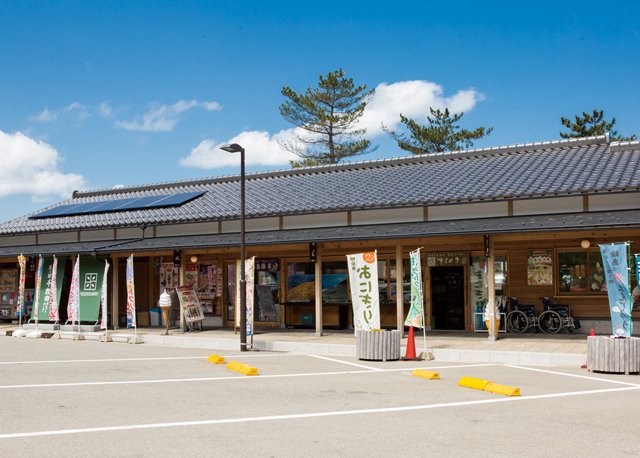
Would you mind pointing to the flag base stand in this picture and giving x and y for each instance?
(19, 333)
(135, 340)
(426, 355)
(412, 359)
(56, 336)
(35, 334)
(105, 339)
(78, 337)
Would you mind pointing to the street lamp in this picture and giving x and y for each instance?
(235, 148)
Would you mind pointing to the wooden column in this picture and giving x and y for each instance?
(428, 308)
(493, 332)
(399, 290)
(115, 314)
(318, 290)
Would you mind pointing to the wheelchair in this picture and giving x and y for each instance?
(556, 317)
(521, 317)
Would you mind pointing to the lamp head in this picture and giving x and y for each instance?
(232, 148)
(586, 243)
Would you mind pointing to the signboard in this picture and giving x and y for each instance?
(447, 259)
(91, 277)
(190, 304)
(177, 258)
(168, 276)
(616, 268)
(540, 267)
(415, 317)
(191, 275)
(46, 287)
(363, 277)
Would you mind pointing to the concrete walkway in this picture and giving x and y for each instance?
(562, 349)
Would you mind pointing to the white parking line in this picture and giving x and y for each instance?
(346, 362)
(231, 377)
(304, 415)
(573, 375)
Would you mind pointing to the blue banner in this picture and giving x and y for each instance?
(616, 268)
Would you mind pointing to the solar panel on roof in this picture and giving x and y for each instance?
(128, 204)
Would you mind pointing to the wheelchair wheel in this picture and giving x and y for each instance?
(550, 322)
(517, 322)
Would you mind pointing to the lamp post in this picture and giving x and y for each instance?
(235, 148)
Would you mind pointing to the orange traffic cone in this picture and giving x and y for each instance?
(411, 347)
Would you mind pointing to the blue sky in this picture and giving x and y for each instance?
(96, 94)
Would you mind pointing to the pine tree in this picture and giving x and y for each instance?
(441, 134)
(591, 125)
(328, 114)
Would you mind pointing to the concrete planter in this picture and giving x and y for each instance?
(613, 355)
(378, 345)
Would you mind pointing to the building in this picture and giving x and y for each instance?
(541, 209)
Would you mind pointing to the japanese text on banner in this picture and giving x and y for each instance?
(363, 276)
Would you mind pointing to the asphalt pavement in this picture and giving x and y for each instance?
(65, 398)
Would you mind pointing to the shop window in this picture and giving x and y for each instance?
(597, 280)
(267, 291)
(572, 271)
(383, 281)
(231, 292)
(335, 283)
(479, 279)
(301, 282)
(406, 280)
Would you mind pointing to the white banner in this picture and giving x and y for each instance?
(363, 277)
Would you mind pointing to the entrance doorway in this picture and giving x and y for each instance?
(447, 297)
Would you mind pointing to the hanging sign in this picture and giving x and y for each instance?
(131, 295)
(616, 268)
(447, 259)
(177, 258)
(415, 317)
(249, 265)
(190, 304)
(74, 294)
(363, 277)
(312, 253)
(540, 268)
(32, 263)
(103, 296)
(23, 275)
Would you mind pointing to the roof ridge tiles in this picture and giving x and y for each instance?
(358, 165)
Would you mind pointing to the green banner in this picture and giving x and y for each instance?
(45, 286)
(91, 274)
(415, 317)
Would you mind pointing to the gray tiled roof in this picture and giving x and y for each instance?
(565, 167)
(505, 225)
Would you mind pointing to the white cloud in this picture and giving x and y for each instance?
(261, 149)
(31, 167)
(163, 118)
(76, 111)
(105, 110)
(413, 99)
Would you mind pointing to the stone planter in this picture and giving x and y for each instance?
(378, 345)
(613, 355)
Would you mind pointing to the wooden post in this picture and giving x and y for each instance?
(318, 290)
(428, 310)
(115, 313)
(399, 290)
(493, 331)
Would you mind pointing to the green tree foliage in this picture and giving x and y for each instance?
(591, 125)
(328, 115)
(441, 134)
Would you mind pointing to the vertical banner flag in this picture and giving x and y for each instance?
(415, 317)
(103, 296)
(73, 306)
(131, 296)
(36, 302)
(23, 275)
(54, 315)
(249, 265)
(616, 268)
(363, 277)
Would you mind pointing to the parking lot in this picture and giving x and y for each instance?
(67, 398)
